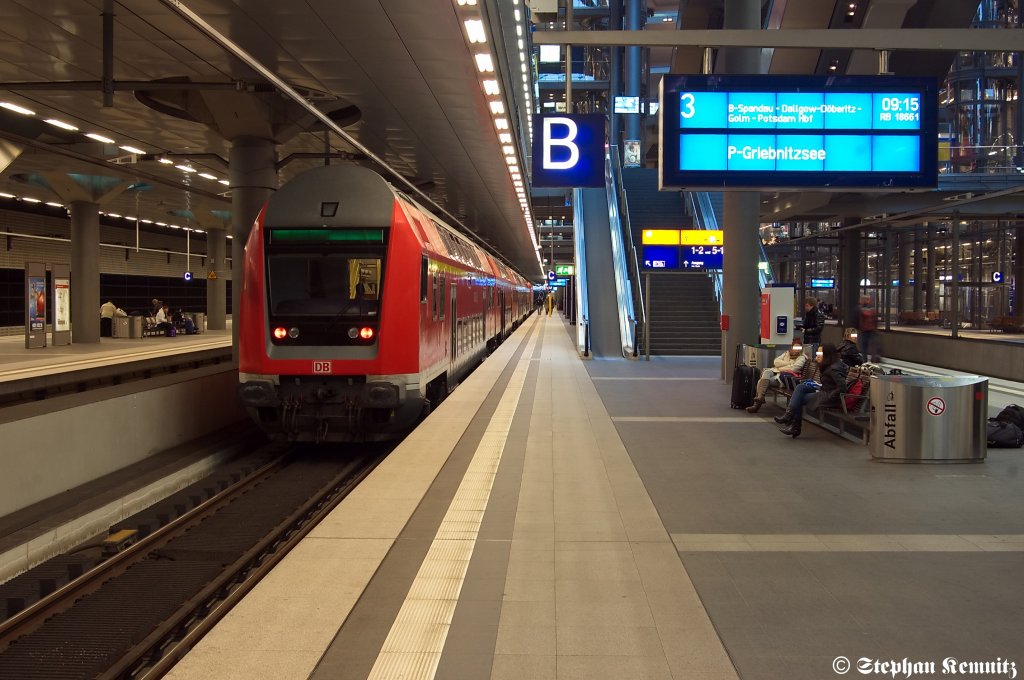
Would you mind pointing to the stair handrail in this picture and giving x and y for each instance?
(633, 263)
(706, 217)
(580, 280)
(623, 284)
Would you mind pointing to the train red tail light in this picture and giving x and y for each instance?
(366, 333)
(280, 333)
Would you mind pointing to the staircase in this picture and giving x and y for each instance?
(683, 309)
(684, 315)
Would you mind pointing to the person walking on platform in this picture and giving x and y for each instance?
(833, 380)
(792, 361)
(867, 329)
(814, 321)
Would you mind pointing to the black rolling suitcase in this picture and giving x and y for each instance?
(744, 383)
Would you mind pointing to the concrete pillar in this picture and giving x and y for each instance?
(615, 77)
(849, 275)
(1018, 273)
(253, 178)
(918, 274)
(85, 271)
(903, 273)
(740, 293)
(930, 299)
(635, 10)
(216, 289)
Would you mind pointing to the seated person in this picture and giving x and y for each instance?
(833, 381)
(792, 361)
(162, 318)
(848, 350)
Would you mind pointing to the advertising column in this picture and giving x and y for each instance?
(35, 305)
(61, 297)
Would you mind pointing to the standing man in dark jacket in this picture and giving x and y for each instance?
(814, 321)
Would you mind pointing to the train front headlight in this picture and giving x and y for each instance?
(366, 333)
(280, 333)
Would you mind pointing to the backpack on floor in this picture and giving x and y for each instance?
(1012, 414)
(1003, 435)
(744, 384)
(171, 331)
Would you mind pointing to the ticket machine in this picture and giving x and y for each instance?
(777, 311)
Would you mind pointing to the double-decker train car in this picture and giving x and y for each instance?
(360, 309)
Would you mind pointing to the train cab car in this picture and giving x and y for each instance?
(360, 310)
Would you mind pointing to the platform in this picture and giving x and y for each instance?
(18, 363)
(559, 518)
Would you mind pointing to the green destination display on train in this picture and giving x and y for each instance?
(787, 131)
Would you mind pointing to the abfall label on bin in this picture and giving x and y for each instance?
(889, 414)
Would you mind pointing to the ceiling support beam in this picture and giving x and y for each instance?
(123, 85)
(108, 53)
(931, 39)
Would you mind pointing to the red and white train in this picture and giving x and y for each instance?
(360, 309)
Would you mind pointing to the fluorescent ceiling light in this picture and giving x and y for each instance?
(467, 2)
(161, 224)
(133, 149)
(223, 181)
(17, 109)
(508, 149)
(55, 205)
(28, 199)
(7, 195)
(505, 138)
(501, 123)
(165, 161)
(185, 168)
(497, 107)
(207, 175)
(146, 221)
(99, 138)
(61, 124)
(112, 215)
(475, 31)
(491, 87)
(517, 14)
(484, 63)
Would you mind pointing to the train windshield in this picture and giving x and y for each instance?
(337, 279)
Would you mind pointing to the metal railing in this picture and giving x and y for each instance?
(617, 195)
(706, 217)
(623, 282)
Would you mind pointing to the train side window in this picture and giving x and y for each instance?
(424, 273)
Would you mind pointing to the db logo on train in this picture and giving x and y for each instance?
(321, 366)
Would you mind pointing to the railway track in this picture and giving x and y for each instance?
(136, 614)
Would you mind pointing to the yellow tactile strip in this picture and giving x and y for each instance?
(413, 647)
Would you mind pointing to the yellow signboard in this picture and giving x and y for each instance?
(660, 237)
(701, 237)
(684, 237)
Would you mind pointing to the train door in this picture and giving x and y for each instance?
(501, 304)
(454, 321)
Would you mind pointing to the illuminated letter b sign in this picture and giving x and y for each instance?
(569, 152)
(567, 141)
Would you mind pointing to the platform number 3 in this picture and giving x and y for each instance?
(686, 109)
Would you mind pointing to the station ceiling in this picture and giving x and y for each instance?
(396, 74)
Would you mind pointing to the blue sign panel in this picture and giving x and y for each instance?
(798, 132)
(683, 257)
(823, 283)
(568, 150)
(661, 257)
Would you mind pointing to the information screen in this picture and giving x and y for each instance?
(798, 132)
(683, 257)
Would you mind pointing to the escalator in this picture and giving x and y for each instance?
(601, 295)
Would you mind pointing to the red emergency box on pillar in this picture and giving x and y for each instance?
(725, 322)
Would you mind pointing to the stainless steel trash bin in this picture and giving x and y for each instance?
(916, 419)
(135, 326)
(119, 327)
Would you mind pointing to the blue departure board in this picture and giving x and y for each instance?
(798, 132)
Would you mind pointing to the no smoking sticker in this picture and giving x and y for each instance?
(936, 406)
